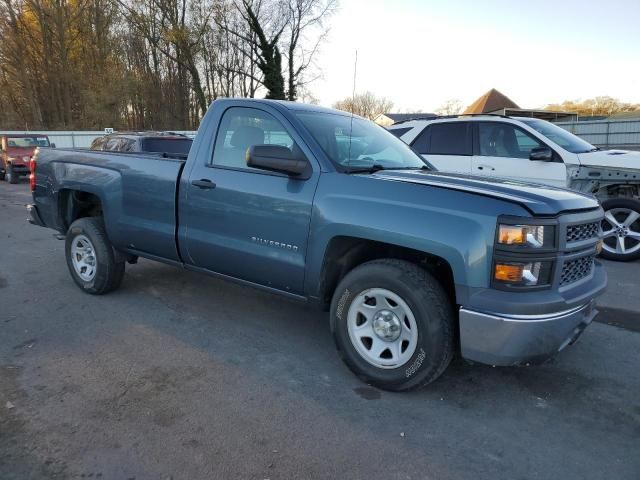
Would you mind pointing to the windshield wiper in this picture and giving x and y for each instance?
(376, 167)
(422, 167)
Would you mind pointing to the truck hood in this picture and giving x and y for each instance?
(538, 199)
(611, 159)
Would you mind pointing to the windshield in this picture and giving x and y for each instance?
(27, 142)
(559, 136)
(368, 146)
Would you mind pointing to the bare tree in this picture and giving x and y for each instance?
(450, 107)
(266, 23)
(230, 67)
(150, 63)
(176, 28)
(306, 96)
(367, 105)
(304, 16)
(603, 105)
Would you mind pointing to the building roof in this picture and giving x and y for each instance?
(491, 101)
(401, 117)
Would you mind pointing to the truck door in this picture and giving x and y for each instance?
(503, 149)
(447, 146)
(244, 222)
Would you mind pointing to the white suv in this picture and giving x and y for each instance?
(533, 150)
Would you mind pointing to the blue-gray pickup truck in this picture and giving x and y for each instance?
(331, 209)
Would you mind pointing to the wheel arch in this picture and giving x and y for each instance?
(77, 203)
(343, 253)
(618, 190)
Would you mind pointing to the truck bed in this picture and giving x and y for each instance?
(141, 190)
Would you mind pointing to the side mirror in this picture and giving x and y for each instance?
(541, 154)
(277, 158)
(52, 145)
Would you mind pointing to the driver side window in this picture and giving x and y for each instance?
(497, 139)
(242, 128)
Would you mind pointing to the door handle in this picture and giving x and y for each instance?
(203, 183)
(488, 167)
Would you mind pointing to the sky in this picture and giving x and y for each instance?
(420, 54)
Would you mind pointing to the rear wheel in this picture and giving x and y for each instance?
(393, 324)
(621, 229)
(90, 257)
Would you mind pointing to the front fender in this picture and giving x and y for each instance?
(458, 227)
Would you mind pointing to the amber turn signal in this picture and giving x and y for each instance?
(509, 273)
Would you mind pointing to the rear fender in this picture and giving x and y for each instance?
(105, 184)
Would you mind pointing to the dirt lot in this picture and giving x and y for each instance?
(182, 376)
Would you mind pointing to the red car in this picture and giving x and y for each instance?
(15, 153)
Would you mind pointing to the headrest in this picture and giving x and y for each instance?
(245, 137)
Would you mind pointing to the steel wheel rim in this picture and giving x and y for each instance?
(83, 258)
(621, 231)
(372, 322)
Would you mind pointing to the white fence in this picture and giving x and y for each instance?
(75, 139)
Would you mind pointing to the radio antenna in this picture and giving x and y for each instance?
(353, 104)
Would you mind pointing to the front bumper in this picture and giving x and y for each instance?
(20, 168)
(504, 340)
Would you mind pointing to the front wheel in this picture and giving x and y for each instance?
(12, 176)
(621, 229)
(393, 324)
(90, 257)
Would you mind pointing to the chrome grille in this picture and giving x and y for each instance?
(574, 270)
(585, 231)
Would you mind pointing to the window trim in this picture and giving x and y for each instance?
(258, 171)
(557, 158)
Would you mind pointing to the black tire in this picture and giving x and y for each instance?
(611, 205)
(2, 175)
(13, 178)
(108, 272)
(431, 308)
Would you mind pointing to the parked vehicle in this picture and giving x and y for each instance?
(154, 142)
(331, 209)
(16, 152)
(534, 150)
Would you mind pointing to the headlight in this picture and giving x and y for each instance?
(527, 236)
(523, 274)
